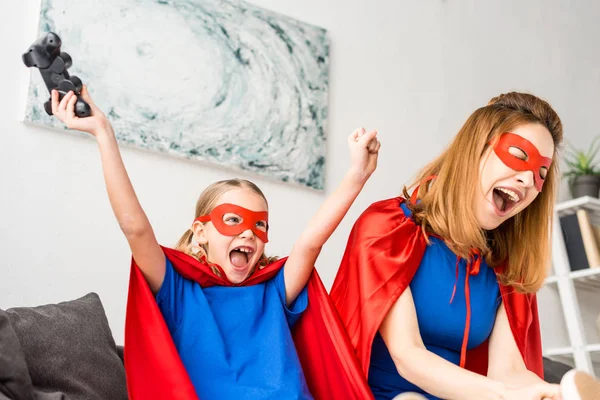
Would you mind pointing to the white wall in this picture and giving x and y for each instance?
(412, 69)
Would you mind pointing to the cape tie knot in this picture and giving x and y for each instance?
(474, 262)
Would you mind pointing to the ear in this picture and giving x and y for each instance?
(199, 231)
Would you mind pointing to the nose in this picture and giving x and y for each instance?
(525, 177)
(247, 234)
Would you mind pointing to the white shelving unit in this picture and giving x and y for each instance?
(569, 302)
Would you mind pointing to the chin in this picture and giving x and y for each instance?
(489, 220)
(237, 276)
(490, 226)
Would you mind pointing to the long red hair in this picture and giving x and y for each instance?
(522, 243)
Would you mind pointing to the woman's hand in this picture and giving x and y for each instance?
(538, 391)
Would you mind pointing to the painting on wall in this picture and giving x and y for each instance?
(224, 82)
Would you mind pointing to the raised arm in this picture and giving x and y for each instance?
(126, 207)
(439, 377)
(364, 148)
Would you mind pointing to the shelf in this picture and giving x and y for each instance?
(558, 351)
(568, 359)
(555, 334)
(576, 294)
(593, 347)
(570, 206)
(589, 310)
(584, 273)
(591, 204)
(588, 278)
(595, 359)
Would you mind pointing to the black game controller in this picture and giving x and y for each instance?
(45, 55)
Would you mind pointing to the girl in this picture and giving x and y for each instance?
(233, 342)
(436, 289)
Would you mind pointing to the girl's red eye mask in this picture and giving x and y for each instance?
(256, 221)
(533, 161)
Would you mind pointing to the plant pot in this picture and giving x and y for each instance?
(586, 185)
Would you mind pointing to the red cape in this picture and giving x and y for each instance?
(155, 371)
(384, 250)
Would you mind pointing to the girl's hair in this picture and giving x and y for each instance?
(521, 243)
(205, 204)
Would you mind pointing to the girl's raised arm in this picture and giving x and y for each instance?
(126, 207)
(364, 148)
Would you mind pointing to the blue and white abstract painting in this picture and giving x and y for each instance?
(219, 81)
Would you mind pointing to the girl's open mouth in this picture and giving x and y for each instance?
(240, 256)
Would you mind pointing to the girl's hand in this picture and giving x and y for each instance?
(65, 112)
(364, 150)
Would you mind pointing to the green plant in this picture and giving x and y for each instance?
(580, 162)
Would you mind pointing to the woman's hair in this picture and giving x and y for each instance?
(205, 204)
(521, 243)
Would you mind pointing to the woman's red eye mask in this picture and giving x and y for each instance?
(533, 161)
(248, 220)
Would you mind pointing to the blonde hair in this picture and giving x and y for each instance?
(521, 243)
(206, 202)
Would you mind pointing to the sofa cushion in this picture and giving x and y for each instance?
(554, 370)
(15, 382)
(69, 348)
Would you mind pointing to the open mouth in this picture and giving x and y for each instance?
(240, 256)
(505, 199)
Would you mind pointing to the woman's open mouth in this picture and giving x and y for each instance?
(505, 199)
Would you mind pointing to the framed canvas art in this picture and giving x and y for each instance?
(223, 82)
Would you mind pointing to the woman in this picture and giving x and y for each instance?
(436, 289)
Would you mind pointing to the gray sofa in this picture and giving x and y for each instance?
(60, 351)
(66, 351)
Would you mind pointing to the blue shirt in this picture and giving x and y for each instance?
(441, 323)
(235, 342)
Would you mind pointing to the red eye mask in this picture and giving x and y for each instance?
(533, 161)
(247, 219)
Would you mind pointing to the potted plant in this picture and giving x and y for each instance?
(582, 173)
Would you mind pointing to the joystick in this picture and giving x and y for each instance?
(45, 55)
